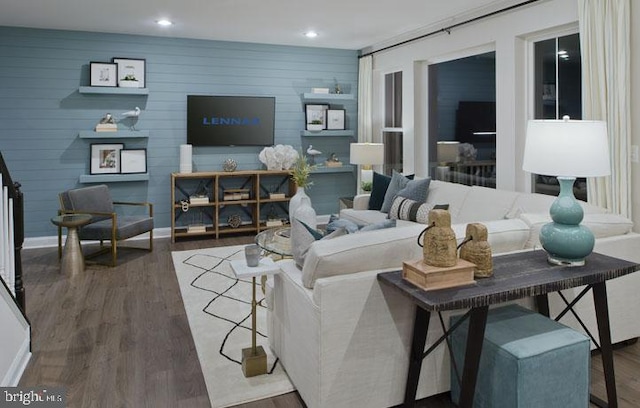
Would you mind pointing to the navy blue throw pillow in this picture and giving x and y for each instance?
(378, 190)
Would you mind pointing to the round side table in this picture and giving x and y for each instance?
(72, 259)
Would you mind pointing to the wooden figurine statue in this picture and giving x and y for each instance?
(439, 247)
(477, 250)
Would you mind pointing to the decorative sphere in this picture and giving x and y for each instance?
(229, 165)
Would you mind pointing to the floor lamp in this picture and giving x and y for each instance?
(567, 149)
(366, 155)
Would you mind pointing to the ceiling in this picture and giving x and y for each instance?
(346, 24)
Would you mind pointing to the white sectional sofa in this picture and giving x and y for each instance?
(344, 340)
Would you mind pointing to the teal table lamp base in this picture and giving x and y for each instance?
(565, 240)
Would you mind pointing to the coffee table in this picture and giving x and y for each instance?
(276, 241)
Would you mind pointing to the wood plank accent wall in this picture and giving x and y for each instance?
(41, 110)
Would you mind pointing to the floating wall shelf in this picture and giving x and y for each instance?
(307, 96)
(345, 168)
(120, 134)
(111, 178)
(113, 90)
(330, 133)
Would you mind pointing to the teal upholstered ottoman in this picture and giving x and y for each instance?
(527, 361)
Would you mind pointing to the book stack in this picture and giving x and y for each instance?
(274, 223)
(196, 199)
(277, 196)
(195, 228)
(106, 127)
(235, 194)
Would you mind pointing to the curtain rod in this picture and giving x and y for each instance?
(448, 29)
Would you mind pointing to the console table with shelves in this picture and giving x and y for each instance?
(216, 203)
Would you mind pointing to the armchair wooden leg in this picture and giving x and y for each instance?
(59, 243)
(114, 253)
(151, 241)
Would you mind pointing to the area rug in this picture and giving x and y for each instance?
(218, 307)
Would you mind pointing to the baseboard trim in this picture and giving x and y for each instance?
(13, 376)
(52, 241)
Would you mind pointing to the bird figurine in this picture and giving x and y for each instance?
(312, 153)
(132, 113)
(132, 117)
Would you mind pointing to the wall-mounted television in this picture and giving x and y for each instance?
(230, 120)
(476, 122)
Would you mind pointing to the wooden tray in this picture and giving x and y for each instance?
(430, 277)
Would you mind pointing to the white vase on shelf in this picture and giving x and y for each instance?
(296, 200)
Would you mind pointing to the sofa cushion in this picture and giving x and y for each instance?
(602, 225)
(362, 217)
(441, 192)
(483, 203)
(540, 203)
(378, 190)
(361, 252)
(504, 235)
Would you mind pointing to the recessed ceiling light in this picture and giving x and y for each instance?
(164, 22)
(311, 34)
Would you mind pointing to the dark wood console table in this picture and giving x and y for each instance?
(516, 276)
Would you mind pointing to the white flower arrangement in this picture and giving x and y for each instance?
(467, 151)
(278, 157)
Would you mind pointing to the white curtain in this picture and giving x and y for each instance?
(605, 39)
(365, 89)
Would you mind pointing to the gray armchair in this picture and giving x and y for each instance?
(105, 224)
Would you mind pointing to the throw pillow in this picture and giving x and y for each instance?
(416, 190)
(410, 210)
(336, 223)
(351, 227)
(378, 190)
(304, 237)
(397, 183)
(379, 225)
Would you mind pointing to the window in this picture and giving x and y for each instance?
(462, 120)
(558, 92)
(392, 131)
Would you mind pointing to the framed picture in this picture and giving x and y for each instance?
(335, 119)
(131, 72)
(133, 161)
(103, 74)
(316, 116)
(105, 158)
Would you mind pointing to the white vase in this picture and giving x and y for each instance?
(306, 213)
(296, 200)
(301, 238)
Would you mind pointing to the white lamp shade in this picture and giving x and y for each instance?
(567, 148)
(448, 152)
(367, 153)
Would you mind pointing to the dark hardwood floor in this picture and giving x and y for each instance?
(119, 337)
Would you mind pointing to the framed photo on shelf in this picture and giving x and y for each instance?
(103, 74)
(131, 72)
(133, 161)
(316, 116)
(105, 158)
(335, 119)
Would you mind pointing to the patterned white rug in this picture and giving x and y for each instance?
(219, 311)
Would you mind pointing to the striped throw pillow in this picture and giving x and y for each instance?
(409, 210)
